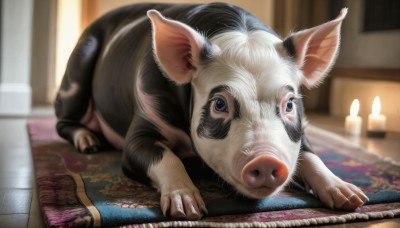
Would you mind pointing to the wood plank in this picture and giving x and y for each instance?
(14, 220)
(16, 201)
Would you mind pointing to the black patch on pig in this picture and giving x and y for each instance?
(141, 150)
(206, 53)
(289, 46)
(217, 18)
(216, 128)
(236, 114)
(306, 145)
(294, 131)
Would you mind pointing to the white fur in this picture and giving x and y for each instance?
(254, 69)
(169, 172)
(179, 196)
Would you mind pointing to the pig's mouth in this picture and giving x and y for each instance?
(255, 193)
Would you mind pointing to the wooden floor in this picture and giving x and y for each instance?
(18, 197)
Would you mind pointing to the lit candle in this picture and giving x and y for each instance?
(353, 121)
(376, 121)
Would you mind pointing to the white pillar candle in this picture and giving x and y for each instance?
(376, 121)
(353, 121)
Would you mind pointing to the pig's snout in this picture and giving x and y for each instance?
(264, 172)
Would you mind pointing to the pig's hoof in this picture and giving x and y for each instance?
(85, 141)
(342, 195)
(183, 204)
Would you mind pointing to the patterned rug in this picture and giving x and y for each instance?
(90, 190)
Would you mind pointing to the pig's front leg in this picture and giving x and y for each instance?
(179, 196)
(330, 189)
(146, 159)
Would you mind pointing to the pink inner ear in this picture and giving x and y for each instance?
(176, 46)
(317, 48)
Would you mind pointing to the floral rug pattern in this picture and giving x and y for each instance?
(91, 190)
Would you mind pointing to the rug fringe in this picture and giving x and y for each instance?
(293, 223)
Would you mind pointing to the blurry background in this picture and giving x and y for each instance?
(37, 37)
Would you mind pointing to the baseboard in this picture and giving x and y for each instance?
(15, 99)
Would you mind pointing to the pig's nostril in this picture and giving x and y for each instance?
(256, 173)
(275, 173)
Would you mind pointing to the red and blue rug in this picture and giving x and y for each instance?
(91, 190)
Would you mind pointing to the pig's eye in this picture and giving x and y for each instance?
(289, 105)
(220, 105)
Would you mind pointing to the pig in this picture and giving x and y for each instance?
(165, 82)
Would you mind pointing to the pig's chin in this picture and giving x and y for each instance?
(255, 193)
(258, 193)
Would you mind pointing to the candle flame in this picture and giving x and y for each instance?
(355, 106)
(376, 106)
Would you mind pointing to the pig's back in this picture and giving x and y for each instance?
(126, 52)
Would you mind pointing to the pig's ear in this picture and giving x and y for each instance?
(178, 48)
(315, 49)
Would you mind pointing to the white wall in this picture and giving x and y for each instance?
(43, 52)
(68, 33)
(379, 49)
(260, 8)
(16, 36)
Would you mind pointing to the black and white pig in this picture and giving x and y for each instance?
(163, 82)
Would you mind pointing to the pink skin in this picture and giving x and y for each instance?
(264, 172)
(173, 43)
(317, 48)
(175, 138)
(84, 139)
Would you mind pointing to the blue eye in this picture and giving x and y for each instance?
(290, 105)
(220, 105)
